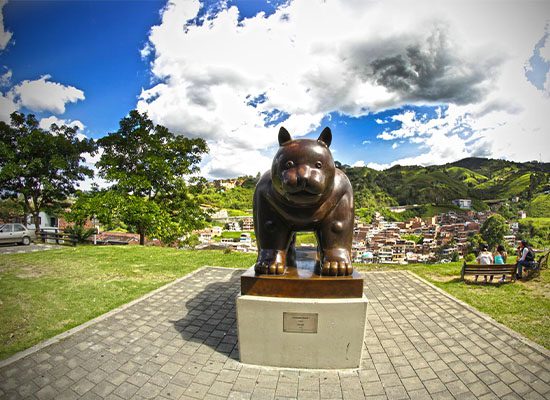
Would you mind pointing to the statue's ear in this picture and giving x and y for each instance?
(326, 136)
(284, 136)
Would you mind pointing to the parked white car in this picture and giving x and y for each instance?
(16, 233)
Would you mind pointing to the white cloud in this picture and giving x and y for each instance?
(7, 106)
(224, 161)
(377, 166)
(5, 36)
(43, 95)
(46, 123)
(39, 95)
(456, 133)
(545, 50)
(225, 78)
(545, 55)
(145, 51)
(5, 78)
(359, 163)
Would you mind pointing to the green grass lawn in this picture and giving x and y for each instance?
(305, 238)
(235, 235)
(45, 293)
(238, 213)
(523, 306)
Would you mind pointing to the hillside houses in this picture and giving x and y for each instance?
(416, 240)
(465, 204)
(206, 235)
(226, 184)
(386, 242)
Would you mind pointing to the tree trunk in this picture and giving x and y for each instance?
(26, 209)
(36, 220)
(141, 237)
(36, 214)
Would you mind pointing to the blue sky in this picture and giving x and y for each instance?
(93, 46)
(425, 86)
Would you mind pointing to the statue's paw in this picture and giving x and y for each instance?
(269, 268)
(270, 262)
(336, 262)
(276, 268)
(261, 268)
(336, 268)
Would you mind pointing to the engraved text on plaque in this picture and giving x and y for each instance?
(300, 322)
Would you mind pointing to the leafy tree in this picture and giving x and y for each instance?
(494, 229)
(192, 241)
(11, 209)
(474, 243)
(41, 166)
(365, 215)
(95, 204)
(455, 256)
(418, 239)
(148, 166)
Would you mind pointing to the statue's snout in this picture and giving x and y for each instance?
(303, 176)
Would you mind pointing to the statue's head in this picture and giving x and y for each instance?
(303, 169)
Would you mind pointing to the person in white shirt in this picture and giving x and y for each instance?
(485, 257)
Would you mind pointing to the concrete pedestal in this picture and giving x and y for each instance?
(301, 332)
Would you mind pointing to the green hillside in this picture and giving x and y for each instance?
(466, 176)
(536, 231)
(540, 206)
(432, 188)
(488, 166)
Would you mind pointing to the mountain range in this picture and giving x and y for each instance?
(510, 186)
(485, 181)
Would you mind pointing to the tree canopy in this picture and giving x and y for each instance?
(145, 159)
(41, 166)
(149, 168)
(494, 229)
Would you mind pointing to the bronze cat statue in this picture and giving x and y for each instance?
(304, 191)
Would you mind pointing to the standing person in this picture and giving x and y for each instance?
(500, 258)
(485, 257)
(524, 259)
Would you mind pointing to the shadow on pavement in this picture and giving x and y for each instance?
(211, 317)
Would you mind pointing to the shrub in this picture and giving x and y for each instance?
(80, 232)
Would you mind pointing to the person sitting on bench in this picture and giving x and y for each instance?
(485, 257)
(526, 259)
(500, 258)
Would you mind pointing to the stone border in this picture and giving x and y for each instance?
(511, 332)
(48, 342)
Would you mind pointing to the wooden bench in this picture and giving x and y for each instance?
(533, 270)
(489, 269)
(59, 237)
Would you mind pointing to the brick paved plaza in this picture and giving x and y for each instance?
(181, 343)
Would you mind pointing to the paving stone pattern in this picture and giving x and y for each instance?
(181, 343)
